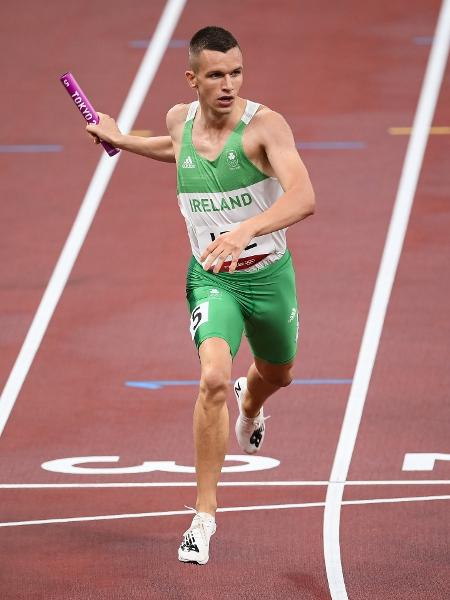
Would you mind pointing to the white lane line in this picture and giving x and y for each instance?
(177, 484)
(89, 206)
(171, 513)
(386, 274)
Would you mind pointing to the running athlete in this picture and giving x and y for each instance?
(240, 183)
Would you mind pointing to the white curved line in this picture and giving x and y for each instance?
(88, 208)
(170, 513)
(383, 286)
(174, 484)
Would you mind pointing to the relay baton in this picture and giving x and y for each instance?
(84, 106)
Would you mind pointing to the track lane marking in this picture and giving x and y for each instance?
(436, 130)
(171, 513)
(29, 148)
(157, 384)
(162, 484)
(383, 286)
(331, 145)
(105, 168)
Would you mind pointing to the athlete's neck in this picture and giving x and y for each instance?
(214, 120)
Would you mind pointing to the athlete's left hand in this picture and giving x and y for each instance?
(231, 243)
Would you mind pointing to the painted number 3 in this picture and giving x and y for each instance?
(198, 316)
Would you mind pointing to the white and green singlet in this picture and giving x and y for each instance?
(215, 196)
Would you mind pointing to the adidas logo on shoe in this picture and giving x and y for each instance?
(195, 545)
(188, 163)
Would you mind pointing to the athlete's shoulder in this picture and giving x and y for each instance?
(176, 115)
(268, 124)
(265, 118)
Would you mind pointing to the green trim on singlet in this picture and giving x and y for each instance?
(230, 170)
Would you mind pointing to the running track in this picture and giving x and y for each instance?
(343, 75)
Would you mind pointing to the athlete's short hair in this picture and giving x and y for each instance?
(211, 38)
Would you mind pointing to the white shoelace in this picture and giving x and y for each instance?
(203, 524)
(252, 423)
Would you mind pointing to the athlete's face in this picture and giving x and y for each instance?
(217, 76)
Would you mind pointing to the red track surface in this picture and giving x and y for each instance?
(343, 71)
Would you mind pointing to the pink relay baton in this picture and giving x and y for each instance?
(84, 106)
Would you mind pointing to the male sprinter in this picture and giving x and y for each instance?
(241, 183)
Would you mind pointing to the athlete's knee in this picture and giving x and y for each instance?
(214, 384)
(282, 379)
(277, 375)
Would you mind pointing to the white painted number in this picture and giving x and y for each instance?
(199, 316)
(422, 461)
(70, 465)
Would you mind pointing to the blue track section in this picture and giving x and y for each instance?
(146, 43)
(30, 148)
(423, 40)
(158, 384)
(331, 145)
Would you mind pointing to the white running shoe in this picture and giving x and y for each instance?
(249, 431)
(195, 545)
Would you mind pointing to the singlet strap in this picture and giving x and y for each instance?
(250, 111)
(192, 110)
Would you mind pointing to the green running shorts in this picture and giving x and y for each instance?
(262, 303)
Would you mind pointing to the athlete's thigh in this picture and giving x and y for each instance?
(215, 361)
(272, 329)
(215, 313)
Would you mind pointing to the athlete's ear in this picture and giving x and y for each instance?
(191, 79)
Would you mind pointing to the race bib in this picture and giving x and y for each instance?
(198, 316)
(257, 249)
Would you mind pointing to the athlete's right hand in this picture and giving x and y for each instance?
(230, 243)
(106, 130)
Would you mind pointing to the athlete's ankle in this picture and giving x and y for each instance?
(250, 414)
(248, 410)
(206, 507)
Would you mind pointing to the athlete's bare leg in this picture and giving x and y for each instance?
(211, 423)
(263, 380)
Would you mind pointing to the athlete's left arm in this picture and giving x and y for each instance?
(298, 200)
(296, 203)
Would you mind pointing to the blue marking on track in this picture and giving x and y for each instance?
(158, 384)
(30, 148)
(179, 44)
(423, 40)
(331, 145)
(172, 43)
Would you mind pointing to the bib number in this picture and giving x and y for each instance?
(199, 316)
(262, 245)
(214, 237)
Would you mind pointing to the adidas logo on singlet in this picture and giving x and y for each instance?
(188, 163)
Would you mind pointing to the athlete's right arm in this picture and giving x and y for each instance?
(175, 121)
(158, 148)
